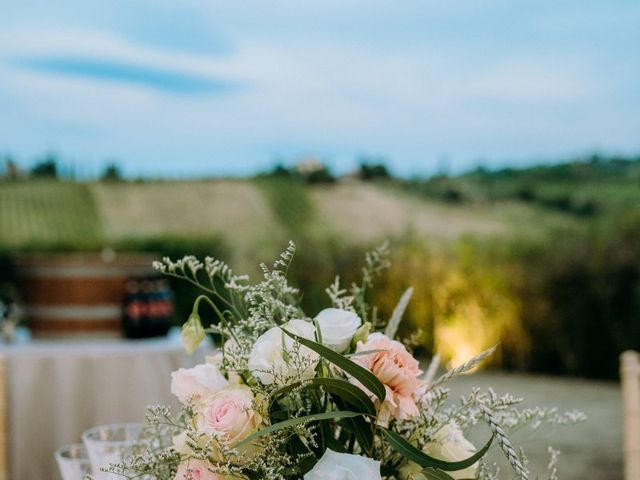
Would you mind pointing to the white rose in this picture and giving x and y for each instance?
(338, 327)
(450, 445)
(344, 466)
(196, 383)
(267, 355)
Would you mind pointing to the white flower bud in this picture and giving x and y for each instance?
(338, 327)
(192, 333)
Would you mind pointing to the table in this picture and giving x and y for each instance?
(58, 389)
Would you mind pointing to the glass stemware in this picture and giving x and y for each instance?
(73, 462)
(107, 444)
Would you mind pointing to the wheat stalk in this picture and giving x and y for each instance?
(504, 443)
(465, 367)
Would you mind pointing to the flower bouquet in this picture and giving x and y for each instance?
(335, 396)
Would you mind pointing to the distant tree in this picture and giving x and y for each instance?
(526, 194)
(595, 159)
(313, 170)
(111, 173)
(11, 170)
(321, 175)
(46, 168)
(480, 171)
(373, 171)
(280, 171)
(452, 195)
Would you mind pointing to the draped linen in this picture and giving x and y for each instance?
(56, 390)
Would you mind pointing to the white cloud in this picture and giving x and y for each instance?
(17, 43)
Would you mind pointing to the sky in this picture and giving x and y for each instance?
(211, 87)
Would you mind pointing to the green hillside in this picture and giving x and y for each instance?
(591, 188)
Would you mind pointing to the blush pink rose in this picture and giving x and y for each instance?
(398, 371)
(196, 469)
(195, 384)
(229, 415)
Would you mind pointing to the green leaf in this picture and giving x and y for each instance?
(251, 475)
(402, 446)
(362, 430)
(364, 376)
(434, 474)
(292, 422)
(352, 395)
(334, 444)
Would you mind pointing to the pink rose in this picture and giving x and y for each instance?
(197, 383)
(229, 415)
(196, 469)
(397, 370)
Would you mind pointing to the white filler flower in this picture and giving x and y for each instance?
(344, 466)
(276, 356)
(338, 327)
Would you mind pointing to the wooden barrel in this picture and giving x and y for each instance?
(76, 294)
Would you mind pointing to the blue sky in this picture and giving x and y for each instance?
(210, 87)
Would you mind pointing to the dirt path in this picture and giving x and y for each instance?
(591, 450)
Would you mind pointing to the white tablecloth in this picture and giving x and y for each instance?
(59, 389)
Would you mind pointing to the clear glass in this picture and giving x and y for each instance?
(73, 462)
(109, 444)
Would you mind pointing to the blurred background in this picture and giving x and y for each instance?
(495, 146)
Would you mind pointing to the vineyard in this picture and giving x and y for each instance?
(48, 213)
(256, 216)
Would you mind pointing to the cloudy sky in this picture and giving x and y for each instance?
(190, 87)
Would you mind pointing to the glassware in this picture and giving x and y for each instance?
(73, 462)
(109, 444)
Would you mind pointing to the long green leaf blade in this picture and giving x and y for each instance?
(402, 446)
(292, 422)
(364, 376)
(434, 474)
(362, 430)
(352, 395)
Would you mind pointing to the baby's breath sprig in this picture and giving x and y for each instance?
(553, 462)
(339, 296)
(189, 267)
